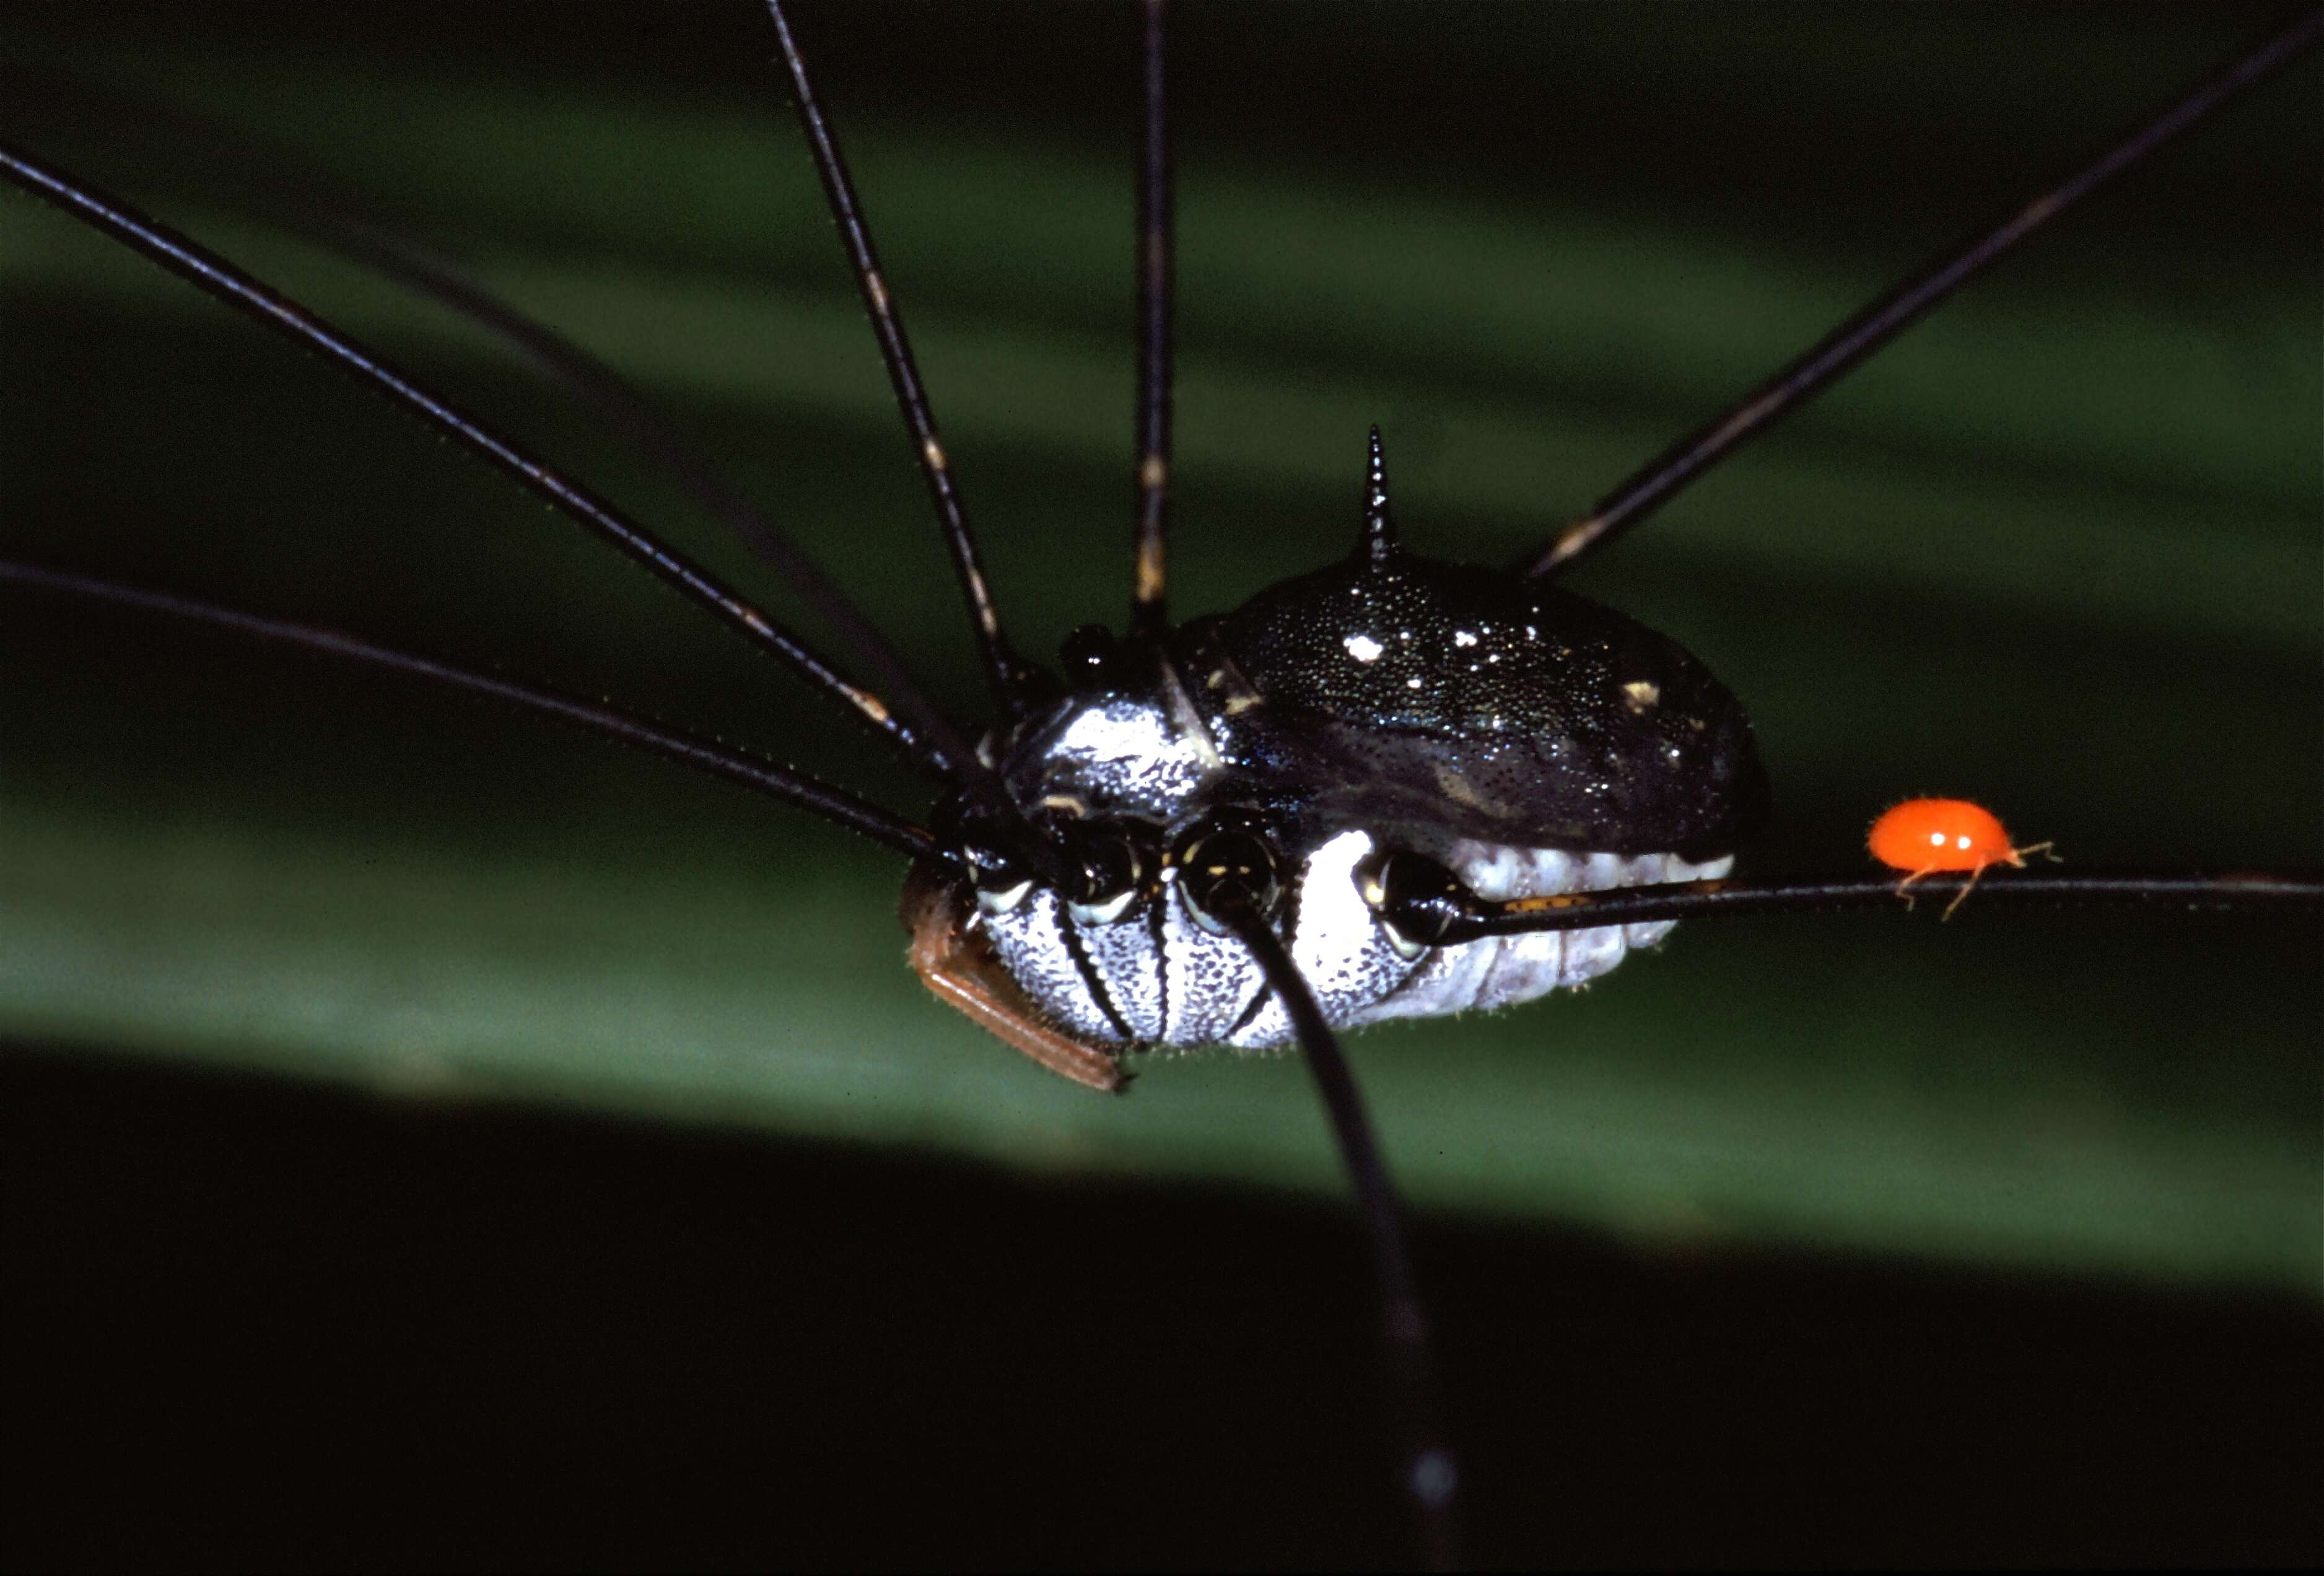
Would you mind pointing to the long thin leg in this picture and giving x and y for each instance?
(835, 805)
(1654, 483)
(1438, 915)
(1430, 1474)
(204, 268)
(628, 412)
(1003, 671)
(1155, 246)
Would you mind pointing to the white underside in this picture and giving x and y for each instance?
(1503, 970)
(1201, 989)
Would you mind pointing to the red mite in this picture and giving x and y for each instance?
(1925, 836)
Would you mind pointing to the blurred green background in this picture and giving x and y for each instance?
(2058, 549)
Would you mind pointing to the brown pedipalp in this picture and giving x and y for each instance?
(956, 963)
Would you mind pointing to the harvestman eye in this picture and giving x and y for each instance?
(1089, 655)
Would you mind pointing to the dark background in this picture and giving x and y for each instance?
(1815, 1241)
(257, 1325)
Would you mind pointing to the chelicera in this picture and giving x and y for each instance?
(1390, 787)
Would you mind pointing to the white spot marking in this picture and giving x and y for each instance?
(1963, 843)
(1937, 840)
(1363, 648)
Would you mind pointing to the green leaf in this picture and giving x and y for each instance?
(2057, 549)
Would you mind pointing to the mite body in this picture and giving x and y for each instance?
(1926, 837)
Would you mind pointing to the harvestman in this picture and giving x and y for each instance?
(1390, 787)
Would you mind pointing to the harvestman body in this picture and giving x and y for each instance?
(1521, 740)
(1390, 787)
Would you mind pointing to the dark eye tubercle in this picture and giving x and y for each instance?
(1091, 659)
